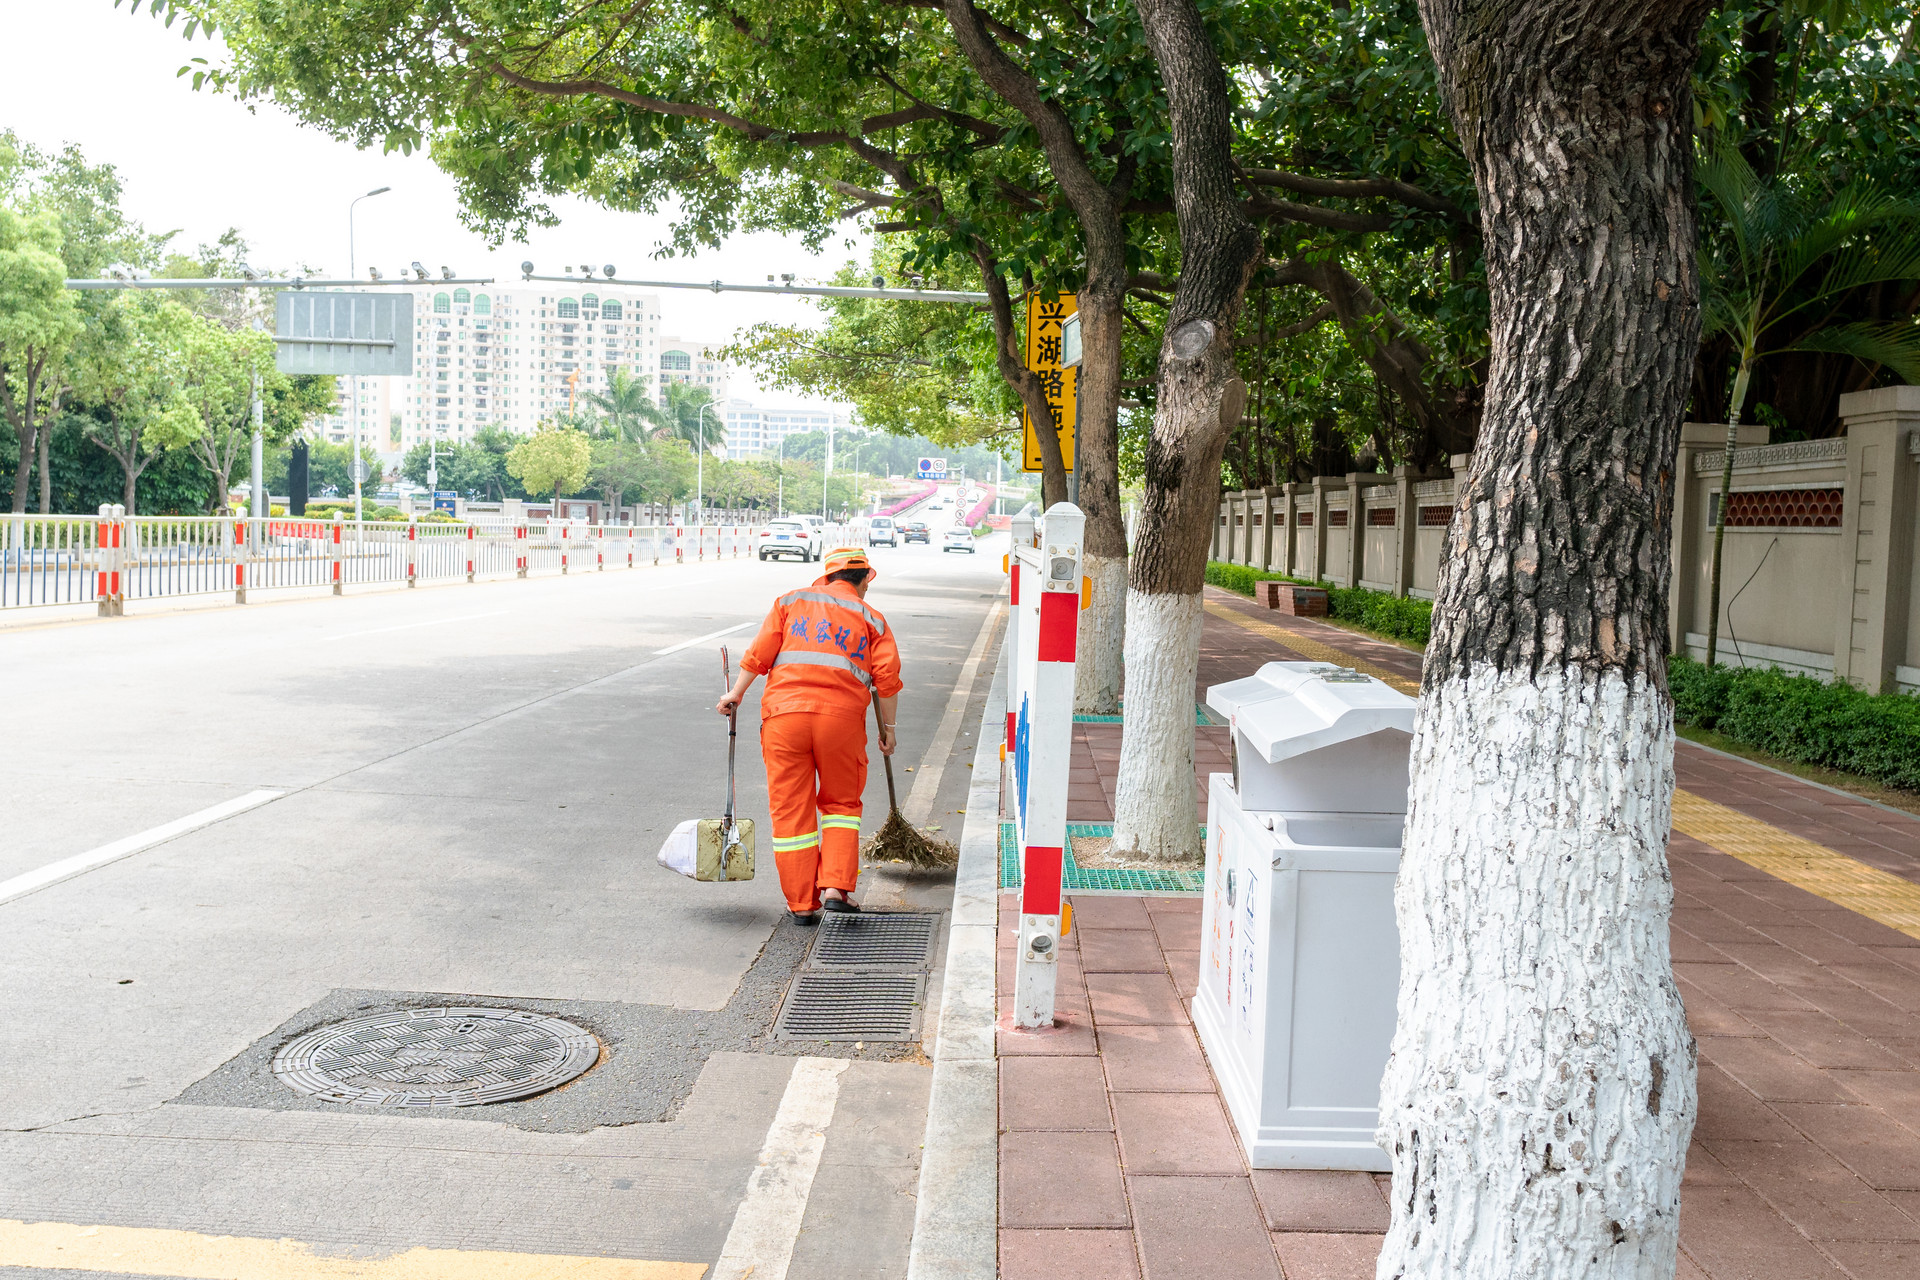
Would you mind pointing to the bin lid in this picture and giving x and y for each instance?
(1287, 709)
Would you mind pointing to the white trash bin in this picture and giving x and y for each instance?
(1300, 960)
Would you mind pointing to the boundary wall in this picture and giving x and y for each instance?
(1820, 559)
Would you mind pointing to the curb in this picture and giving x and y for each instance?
(955, 1220)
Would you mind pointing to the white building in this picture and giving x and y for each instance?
(516, 357)
(753, 432)
(686, 360)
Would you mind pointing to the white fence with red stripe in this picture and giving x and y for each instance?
(111, 558)
(1042, 637)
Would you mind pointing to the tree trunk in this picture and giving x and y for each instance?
(44, 449)
(1010, 356)
(1200, 401)
(1540, 1093)
(26, 434)
(1098, 673)
(128, 489)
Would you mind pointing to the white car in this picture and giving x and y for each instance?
(789, 538)
(957, 538)
(880, 530)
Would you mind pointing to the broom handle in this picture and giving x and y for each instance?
(893, 801)
(733, 729)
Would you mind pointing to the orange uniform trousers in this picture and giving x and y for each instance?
(816, 772)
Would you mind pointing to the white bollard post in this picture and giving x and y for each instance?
(469, 551)
(1049, 640)
(240, 561)
(339, 553)
(109, 549)
(413, 549)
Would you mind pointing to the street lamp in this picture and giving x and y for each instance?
(780, 470)
(700, 465)
(353, 380)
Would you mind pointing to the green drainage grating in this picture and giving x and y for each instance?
(1082, 879)
(1202, 718)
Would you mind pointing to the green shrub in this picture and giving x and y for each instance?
(1802, 718)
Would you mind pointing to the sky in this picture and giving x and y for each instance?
(105, 79)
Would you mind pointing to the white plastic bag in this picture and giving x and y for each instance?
(681, 852)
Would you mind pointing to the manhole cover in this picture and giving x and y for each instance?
(436, 1057)
(874, 940)
(852, 1006)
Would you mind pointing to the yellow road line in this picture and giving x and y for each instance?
(61, 1246)
(1848, 882)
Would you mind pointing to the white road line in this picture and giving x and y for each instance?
(767, 1224)
(711, 635)
(40, 878)
(926, 783)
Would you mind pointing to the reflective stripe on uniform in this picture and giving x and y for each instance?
(786, 844)
(878, 623)
(809, 659)
(840, 820)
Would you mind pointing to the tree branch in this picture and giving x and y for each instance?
(1313, 215)
(1385, 188)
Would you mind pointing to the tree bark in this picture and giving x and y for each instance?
(1201, 399)
(45, 450)
(1010, 356)
(1540, 1093)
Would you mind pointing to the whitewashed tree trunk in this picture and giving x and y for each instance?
(1156, 814)
(1541, 1091)
(1540, 1094)
(1098, 673)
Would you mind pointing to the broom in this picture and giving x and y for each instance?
(897, 840)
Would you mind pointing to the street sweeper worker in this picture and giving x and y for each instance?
(825, 653)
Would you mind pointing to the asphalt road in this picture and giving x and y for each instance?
(472, 783)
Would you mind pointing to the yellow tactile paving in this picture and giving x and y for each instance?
(1312, 650)
(61, 1246)
(1848, 882)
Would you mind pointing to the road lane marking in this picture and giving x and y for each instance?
(711, 635)
(61, 1246)
(1847, 882)
(926, 784)
(65, 868)
(767, 1224)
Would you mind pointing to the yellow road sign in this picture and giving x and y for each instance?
(1044, 317)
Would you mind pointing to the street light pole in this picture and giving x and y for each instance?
(353, 380)
(780, 470)
(700, 471)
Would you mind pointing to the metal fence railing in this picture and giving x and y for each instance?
(111, 558)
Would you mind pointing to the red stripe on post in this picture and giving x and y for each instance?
(1059, 625)
(1015, 588)
(1040, 881)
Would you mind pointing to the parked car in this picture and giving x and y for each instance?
(793, 537)
(880, 530)
(957, 538)
(916, 531)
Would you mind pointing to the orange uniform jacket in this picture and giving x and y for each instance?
(823, 649)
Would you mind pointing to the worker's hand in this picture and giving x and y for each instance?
(729, 704)
(887, 742)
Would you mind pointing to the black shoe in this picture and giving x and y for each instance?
(804, 918)
(839, 906)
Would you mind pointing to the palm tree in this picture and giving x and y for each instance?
(627, 408)
(1787, 265)
(691, 415)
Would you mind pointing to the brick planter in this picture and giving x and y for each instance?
(1302, 602)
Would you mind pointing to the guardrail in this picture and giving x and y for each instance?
(111, 558)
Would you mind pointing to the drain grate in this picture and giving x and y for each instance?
(874, 940)
(455, 1057)
(852, 1006)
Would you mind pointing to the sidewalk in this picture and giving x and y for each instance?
(1117, 1159)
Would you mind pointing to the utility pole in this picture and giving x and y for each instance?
(259, 486)
(353, 380)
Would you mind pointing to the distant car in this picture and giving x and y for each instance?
(789, 538)
(916, 531)
(880, 530)
(958, 538)
(937, 506)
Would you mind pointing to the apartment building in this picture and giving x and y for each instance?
(516, 357)
(754, 432)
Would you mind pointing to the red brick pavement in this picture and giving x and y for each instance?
(1118, 1160)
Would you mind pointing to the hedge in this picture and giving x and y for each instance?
(1803, 719)
(1403, 618)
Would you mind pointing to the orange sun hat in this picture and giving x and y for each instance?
(846, 558)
